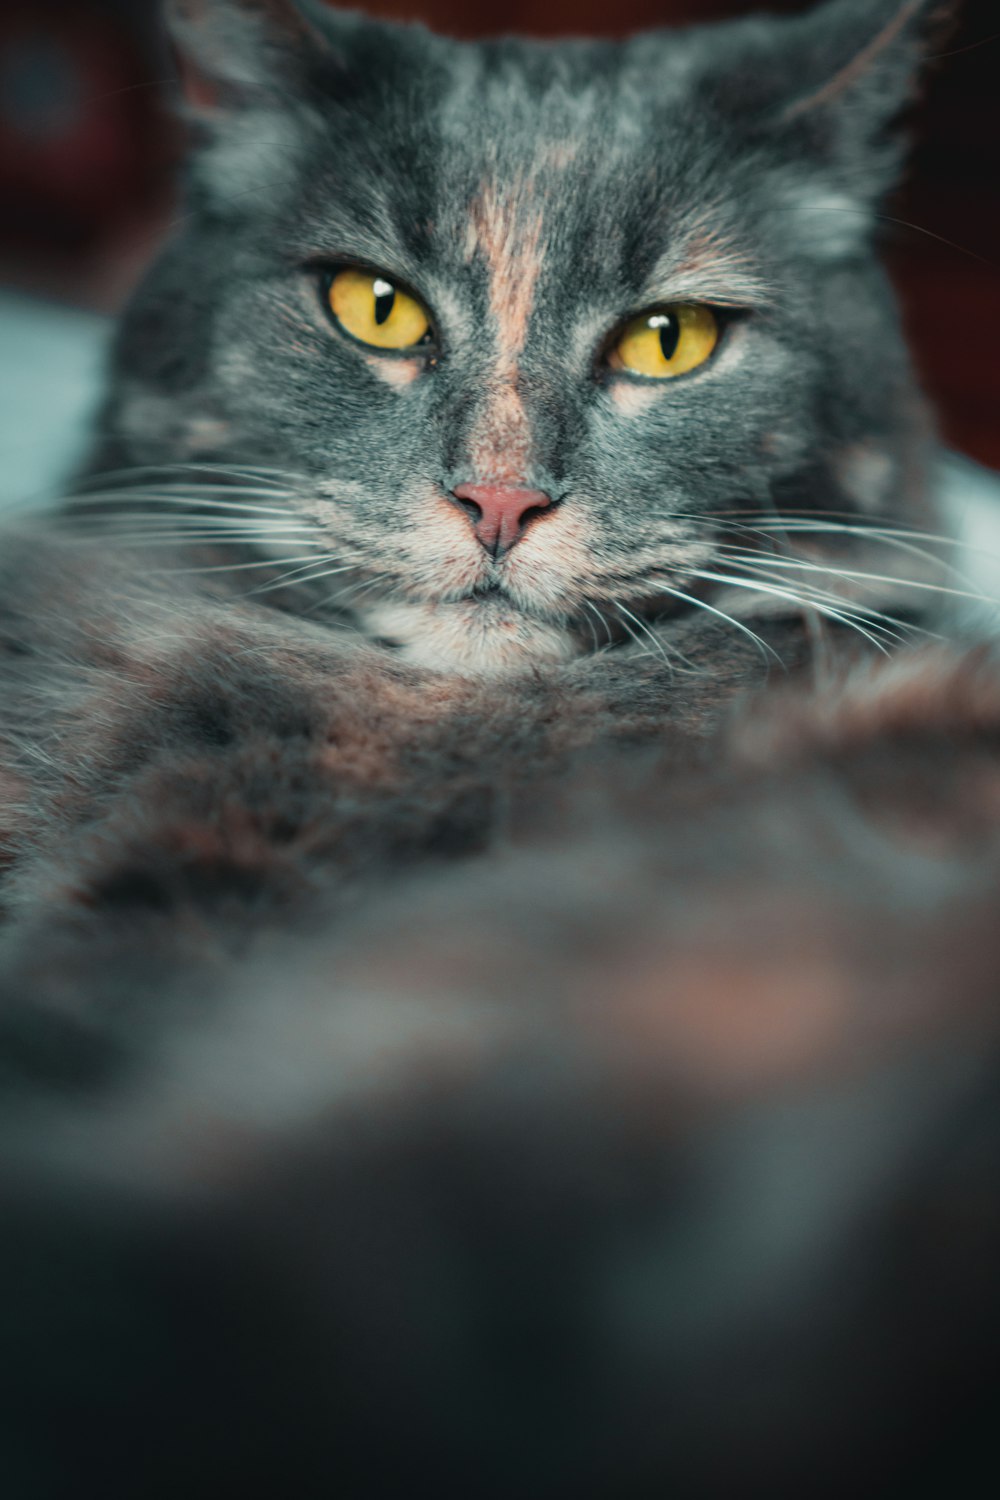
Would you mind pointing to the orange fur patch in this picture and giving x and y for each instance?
(792, 1015)
(500, 448)
(395, 372)
(506, 228)
(632, 399)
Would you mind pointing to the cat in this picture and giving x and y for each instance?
(497, 974)
(536, 209)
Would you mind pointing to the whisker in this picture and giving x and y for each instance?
(835, 522)
(671, 653)
(260, 472)
(358, 590)
(270, 562)
(626, 615)
(899, 540)
(168, 485)
(306, 574)
(853, 573)
(590, 625)
(829, 208)
(171, 539)
(609, 638)
(792, 598)
(850, 609)
(160, 501)
(720, 614)
(960, 51)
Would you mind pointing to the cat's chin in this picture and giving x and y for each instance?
(469, 636)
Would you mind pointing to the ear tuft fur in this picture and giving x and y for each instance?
(228, 48)
(886, 61)
(824, 92)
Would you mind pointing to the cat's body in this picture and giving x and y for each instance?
(560, 1132)
(498, 976)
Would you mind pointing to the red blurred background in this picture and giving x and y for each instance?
(88, 148)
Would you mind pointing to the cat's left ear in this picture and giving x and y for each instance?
(835, 82)
(877, 50)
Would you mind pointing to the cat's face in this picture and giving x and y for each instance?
(533, 201)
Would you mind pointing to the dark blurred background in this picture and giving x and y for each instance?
(88, 150)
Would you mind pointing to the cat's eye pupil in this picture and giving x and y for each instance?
(669, 328)
(385, 300)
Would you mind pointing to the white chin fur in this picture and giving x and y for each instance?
(472, 637)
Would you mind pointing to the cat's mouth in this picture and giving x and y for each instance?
(494, 594)
(492, 628)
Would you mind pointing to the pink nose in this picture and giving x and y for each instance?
(499, 513)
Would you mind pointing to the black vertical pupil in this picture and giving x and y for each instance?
(670, 333)
(385, 300)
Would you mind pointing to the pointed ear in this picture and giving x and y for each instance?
(234, 51)
(835, 81)
(863, 58)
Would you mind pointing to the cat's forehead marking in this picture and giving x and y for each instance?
(505, 227)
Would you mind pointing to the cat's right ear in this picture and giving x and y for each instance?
(231, 53)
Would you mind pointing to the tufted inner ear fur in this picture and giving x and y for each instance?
(233, 51)
(833, 82)
(882, 45)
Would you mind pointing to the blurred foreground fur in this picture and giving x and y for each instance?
(659, 1154)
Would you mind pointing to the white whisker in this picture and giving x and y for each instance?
(686, 598)
(855, 574)
(793, 598)
(172, 508)
(853, 610)
(816, 521)
(306, 574)
(258, 472)
(609, 638)
(245, 567)
(357, 589)
(179, 543)
(626, 615)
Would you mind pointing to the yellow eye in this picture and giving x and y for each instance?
(668, 342)
(375, 311)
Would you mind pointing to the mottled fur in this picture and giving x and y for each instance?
(534, 196)
(660, 1149)
(485, 1024)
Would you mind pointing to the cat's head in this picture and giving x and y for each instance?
(523, 319)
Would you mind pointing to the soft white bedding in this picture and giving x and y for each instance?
(51, 360)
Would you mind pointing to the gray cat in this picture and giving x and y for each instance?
(497, 976)
(630, 309)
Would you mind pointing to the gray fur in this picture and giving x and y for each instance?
(550, 1052)
(360, 141)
